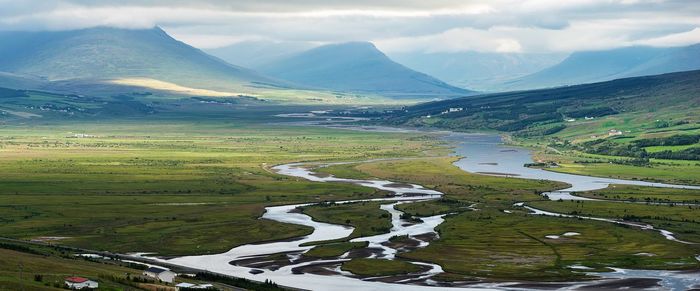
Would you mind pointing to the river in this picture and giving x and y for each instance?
(482, 153)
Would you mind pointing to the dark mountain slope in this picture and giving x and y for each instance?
(358, 67)
(673, 94)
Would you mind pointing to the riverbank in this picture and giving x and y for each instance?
(398, 169)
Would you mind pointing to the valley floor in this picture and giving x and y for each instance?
(185, 186)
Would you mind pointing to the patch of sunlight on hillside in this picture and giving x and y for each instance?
(172, 87)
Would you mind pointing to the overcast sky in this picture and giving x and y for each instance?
(394, 25)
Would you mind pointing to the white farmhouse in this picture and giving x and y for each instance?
(162, 275)
(185, 285)
(614, 132)
(78, 283)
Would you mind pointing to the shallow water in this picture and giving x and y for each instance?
(483, 154)
(486, 154)
(325, 231)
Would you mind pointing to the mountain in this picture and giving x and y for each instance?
(358, 67)
(477, 70)
(112, 53)
(596, 66)
(252, 54)
(639, 103)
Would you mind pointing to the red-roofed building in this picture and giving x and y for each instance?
(78, 283)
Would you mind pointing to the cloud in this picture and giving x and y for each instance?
(577, 36)
(436, 25)
(454, 40)
(675, 39)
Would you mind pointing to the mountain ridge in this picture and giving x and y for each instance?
(109, 53)
(597, 66)
(357, 67)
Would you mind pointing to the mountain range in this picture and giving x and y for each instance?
(102, 59)
(112, 61)
(596, 66)
(477, 70)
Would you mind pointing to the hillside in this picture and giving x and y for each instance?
(111, 53)
(640, 103)
(477, 70)
(358, 67)
(597, 66)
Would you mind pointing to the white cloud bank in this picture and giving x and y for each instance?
(394, 25)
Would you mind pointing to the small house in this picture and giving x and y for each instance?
(162, 275)
(614, 132)
(79, 283)
(185, 285)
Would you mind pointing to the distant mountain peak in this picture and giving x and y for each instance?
(358, 67)
(603, 65)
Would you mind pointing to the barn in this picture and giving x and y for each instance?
(162, 275)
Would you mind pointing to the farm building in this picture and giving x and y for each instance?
(193, 286)
(79, 283)
(162, 275)
(614, 132)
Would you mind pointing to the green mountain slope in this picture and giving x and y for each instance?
(637, 103)
(111, 53)
(358, 67)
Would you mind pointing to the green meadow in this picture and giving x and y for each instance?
(365, 217)
(177, 185)
(30, 267)
(682, 220)
(644, 194)
(173, 187)
(486, 236)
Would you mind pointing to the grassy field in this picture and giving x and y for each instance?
(365, 217)
(179, 185)
(434, 207)
(377, 267)
(171, 186)
(42, 268)
(334, 249)
(682, 220)
(644, 194)
(682, 174)
(347, 171)
(489, 242)
(635, 126)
